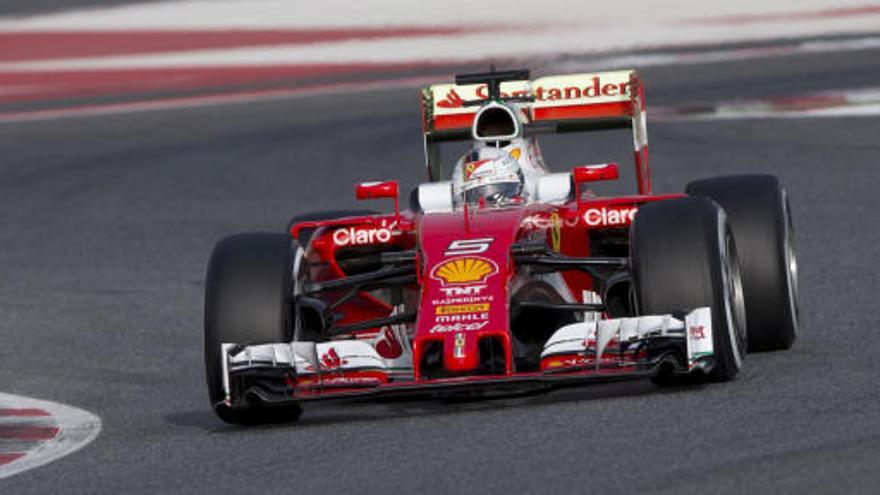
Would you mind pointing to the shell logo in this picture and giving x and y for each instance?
(464, 270)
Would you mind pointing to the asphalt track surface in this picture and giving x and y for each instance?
(106, 225)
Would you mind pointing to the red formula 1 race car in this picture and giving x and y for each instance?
(502, 274)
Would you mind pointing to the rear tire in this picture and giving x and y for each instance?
(248, 300)
(683, 257)
(758, 211)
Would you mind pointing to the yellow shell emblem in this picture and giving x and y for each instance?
(466, 270)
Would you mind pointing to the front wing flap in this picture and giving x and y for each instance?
(629, 342)
(589, 351)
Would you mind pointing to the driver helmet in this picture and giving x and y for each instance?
(492, 176)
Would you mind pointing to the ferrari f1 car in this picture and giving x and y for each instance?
(501, 274)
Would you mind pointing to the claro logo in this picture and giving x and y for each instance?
(606, 217)
(358, 236)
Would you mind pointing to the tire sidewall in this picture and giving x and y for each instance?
(733, 336)
(760, 217)
(681, 254)
(269, 307)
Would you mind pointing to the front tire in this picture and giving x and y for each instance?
(683, 257)
(759, 214)
(248, 300)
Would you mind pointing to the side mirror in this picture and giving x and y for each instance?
(592, 173)
(379, 190)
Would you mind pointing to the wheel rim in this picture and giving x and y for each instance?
(734, 301)
(791, 265)
(297, 278)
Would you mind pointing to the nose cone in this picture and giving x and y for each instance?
(464, 289)
(461, 353)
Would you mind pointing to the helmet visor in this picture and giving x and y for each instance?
(497, 193)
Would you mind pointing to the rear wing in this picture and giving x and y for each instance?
(565, 103)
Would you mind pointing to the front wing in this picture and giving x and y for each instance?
(601, 350)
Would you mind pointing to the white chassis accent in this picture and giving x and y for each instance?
(310, 358)
(593, 335)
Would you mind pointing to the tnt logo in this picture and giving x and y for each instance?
(472, 290)
(698, 332)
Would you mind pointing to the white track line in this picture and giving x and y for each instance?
(863, 102)
(872, 110)
(545, 33)
(267, 14)
(546, 43)
(77, 429)
(207, 101)
(673, 57)
(557, 27)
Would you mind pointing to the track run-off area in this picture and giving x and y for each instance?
(107, 219)
(35, 432)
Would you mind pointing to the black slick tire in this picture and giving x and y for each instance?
(759, 214)
(248, 300)
(683, 257)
